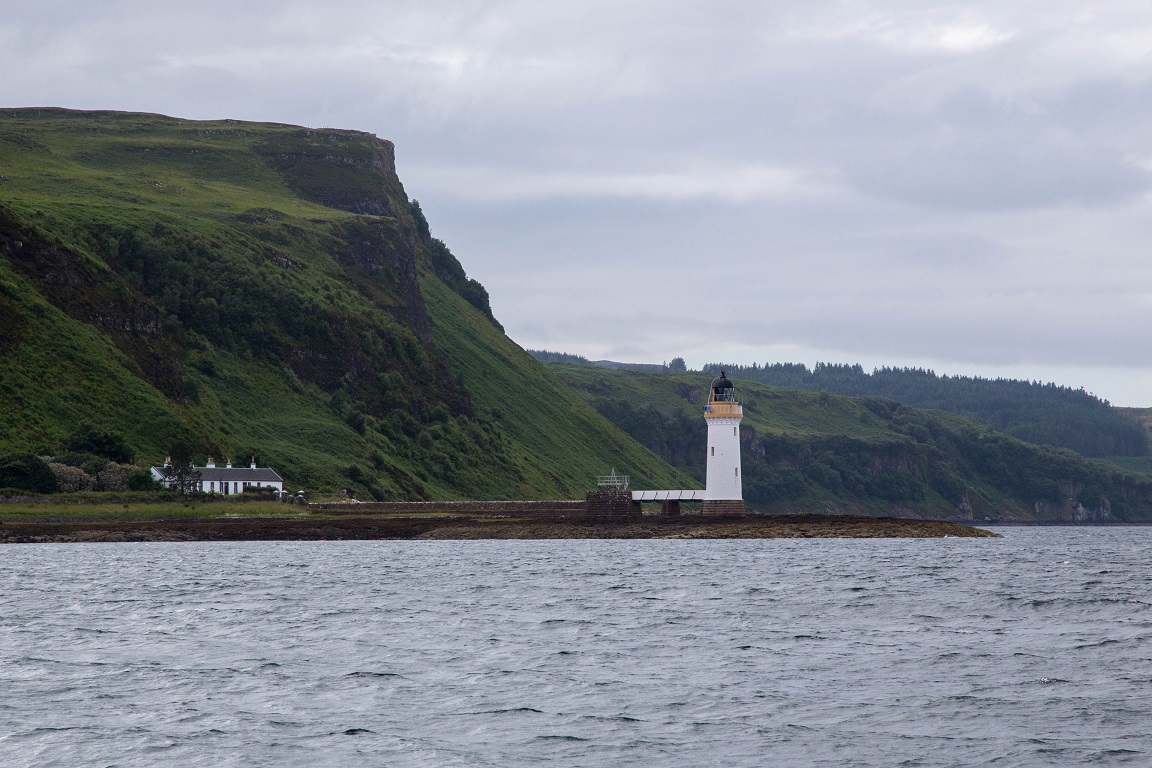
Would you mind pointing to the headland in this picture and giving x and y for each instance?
(278, 522)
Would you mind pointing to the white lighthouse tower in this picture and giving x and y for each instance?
(722, 494)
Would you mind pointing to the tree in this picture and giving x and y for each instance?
(109, 445)
(677, 365)
(27, 472)
(141, 480)
(180, 474)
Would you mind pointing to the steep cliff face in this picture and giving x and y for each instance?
(1073, 512)
(345, 170)
(257, 289)
(91, 293)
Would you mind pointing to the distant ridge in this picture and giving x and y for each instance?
(1039, 413)
(676, 366)
(1044, 414)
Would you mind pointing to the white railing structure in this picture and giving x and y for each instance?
(612, 481)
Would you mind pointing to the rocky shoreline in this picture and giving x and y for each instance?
(468, 527)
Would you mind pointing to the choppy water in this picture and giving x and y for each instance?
(1029, 650)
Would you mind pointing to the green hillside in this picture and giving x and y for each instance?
(269, 290)
(1045, 414)
(1142, 464)
(813, 451)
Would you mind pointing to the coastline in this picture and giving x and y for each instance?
(441, 528)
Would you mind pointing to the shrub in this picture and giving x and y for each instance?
(141, 480)
(89, 462)
(71, 479)
(947, 483)
(114, 477)
(27, 472)
(1091, 497)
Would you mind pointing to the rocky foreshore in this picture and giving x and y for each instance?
(466, 527)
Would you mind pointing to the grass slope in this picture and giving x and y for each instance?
(57, 372)
(549, 423)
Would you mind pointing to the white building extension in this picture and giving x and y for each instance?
(226, 480)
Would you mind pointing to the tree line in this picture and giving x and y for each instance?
(1044, 414)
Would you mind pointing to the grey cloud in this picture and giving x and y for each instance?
(962, 183)
(936, 295)
(971, 154)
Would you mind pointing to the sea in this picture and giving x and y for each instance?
(1034, 649)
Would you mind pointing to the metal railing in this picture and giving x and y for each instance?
(613, 480)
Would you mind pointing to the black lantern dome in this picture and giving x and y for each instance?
(722, 389)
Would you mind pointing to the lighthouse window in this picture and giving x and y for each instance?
(713, 450)
(737, 471)
(733, 431)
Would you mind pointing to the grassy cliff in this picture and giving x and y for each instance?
(269, 290)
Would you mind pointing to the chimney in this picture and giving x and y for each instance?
(253, 462)
(211, 463)
(229, 464)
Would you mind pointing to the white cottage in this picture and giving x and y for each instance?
(226, 480)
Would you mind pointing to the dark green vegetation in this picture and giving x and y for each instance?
(1044, 414)
(27, 472)
(813, 451)
(264, 290)
(95, 442)
(1143, 417)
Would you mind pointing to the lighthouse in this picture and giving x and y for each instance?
(722, 494)
(722, 414)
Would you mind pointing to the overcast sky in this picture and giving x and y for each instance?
(961, 186)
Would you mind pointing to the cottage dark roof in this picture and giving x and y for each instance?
(238, 474)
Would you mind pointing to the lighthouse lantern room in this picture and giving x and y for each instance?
(722, 494)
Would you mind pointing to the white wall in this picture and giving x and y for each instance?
(724, 470)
